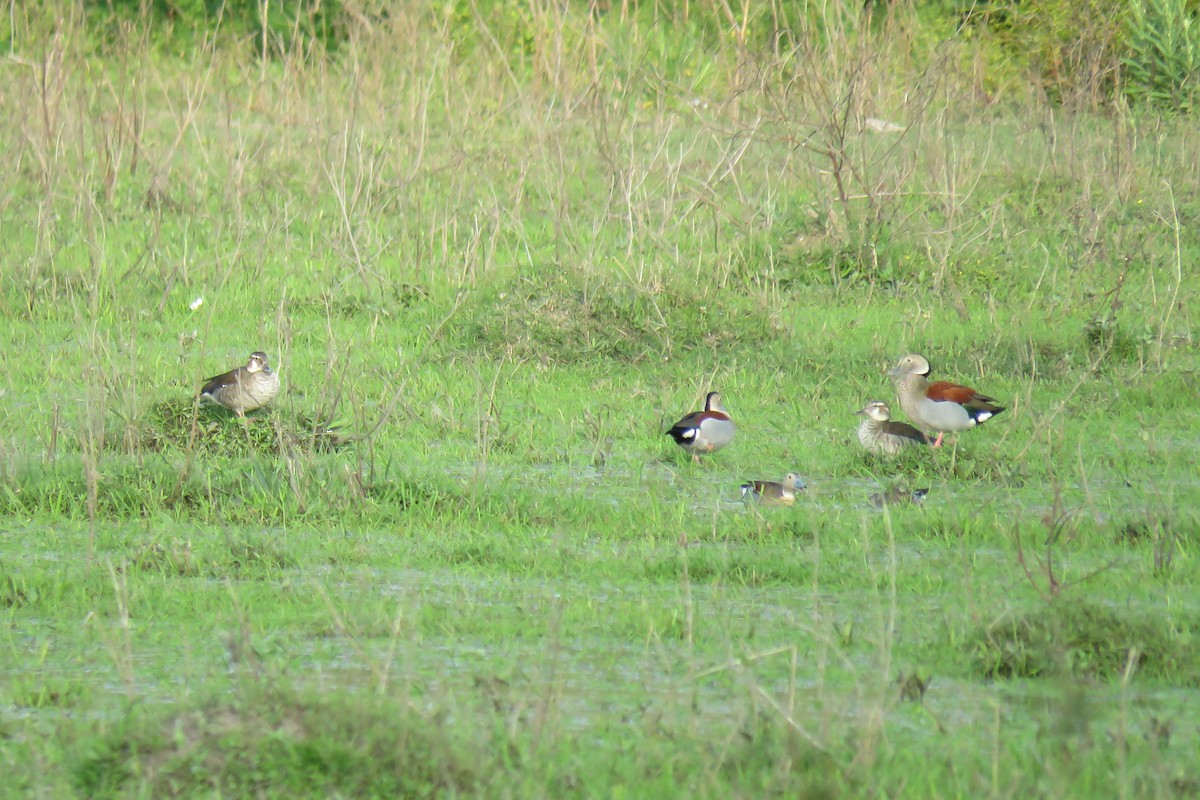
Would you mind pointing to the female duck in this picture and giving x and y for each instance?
(245, 388)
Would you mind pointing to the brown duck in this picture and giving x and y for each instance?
(774, 492)
(938, 406)
(245, 388)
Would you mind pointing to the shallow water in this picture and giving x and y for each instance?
(605, 651)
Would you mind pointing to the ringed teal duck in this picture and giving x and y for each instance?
(774, 492)
(939, 406)
(704, 431)
(878, 434)
(244, 388)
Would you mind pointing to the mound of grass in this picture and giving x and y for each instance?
(249, 556)
(386, 302)
(277, 742)
(171, 556)
(260, 490)
(174, 425)
(1083, 639)
(402, 494)
(243, 555)
(555, 320)
(281, 742)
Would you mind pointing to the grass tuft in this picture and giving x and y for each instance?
(177, 426)
(13, 593)
(285, 743)
(557, 320)
(173, 558)
(771, 760)
(253, 555)
(1084, 639)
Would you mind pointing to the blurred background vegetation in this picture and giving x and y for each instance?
(1078, 53)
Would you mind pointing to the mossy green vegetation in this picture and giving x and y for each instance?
(494, 253)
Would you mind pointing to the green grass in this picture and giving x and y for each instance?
(494, 255)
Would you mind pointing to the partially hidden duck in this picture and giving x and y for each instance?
(879, 435)
(782, 493)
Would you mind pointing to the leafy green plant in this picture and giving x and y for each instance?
(1163, 64)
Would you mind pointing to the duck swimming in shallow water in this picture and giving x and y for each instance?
(897, 496)
(772, 492)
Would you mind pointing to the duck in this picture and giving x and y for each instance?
(880, 436)
(244, 388)
(704, 431)
(939, 406)
(773, 492)
(898, 495)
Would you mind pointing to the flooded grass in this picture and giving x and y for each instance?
(751, 631)
(637, 607)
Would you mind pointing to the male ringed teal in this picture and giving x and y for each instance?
(704, 431)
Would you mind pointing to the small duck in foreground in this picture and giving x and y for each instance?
(704, 431)
(898, 495)
(245, 388)
(880, 436)
(772, 492)
(939, 406)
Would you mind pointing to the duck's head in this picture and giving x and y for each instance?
(258, 362)
(794, 481)
(876, 410)
(911, 364)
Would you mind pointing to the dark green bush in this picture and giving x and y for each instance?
(1072, 50)
(179, 24)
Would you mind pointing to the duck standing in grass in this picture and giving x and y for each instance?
(704, 431)
(880, 436)
(939, 406)
(245, 388)
(772, 492)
